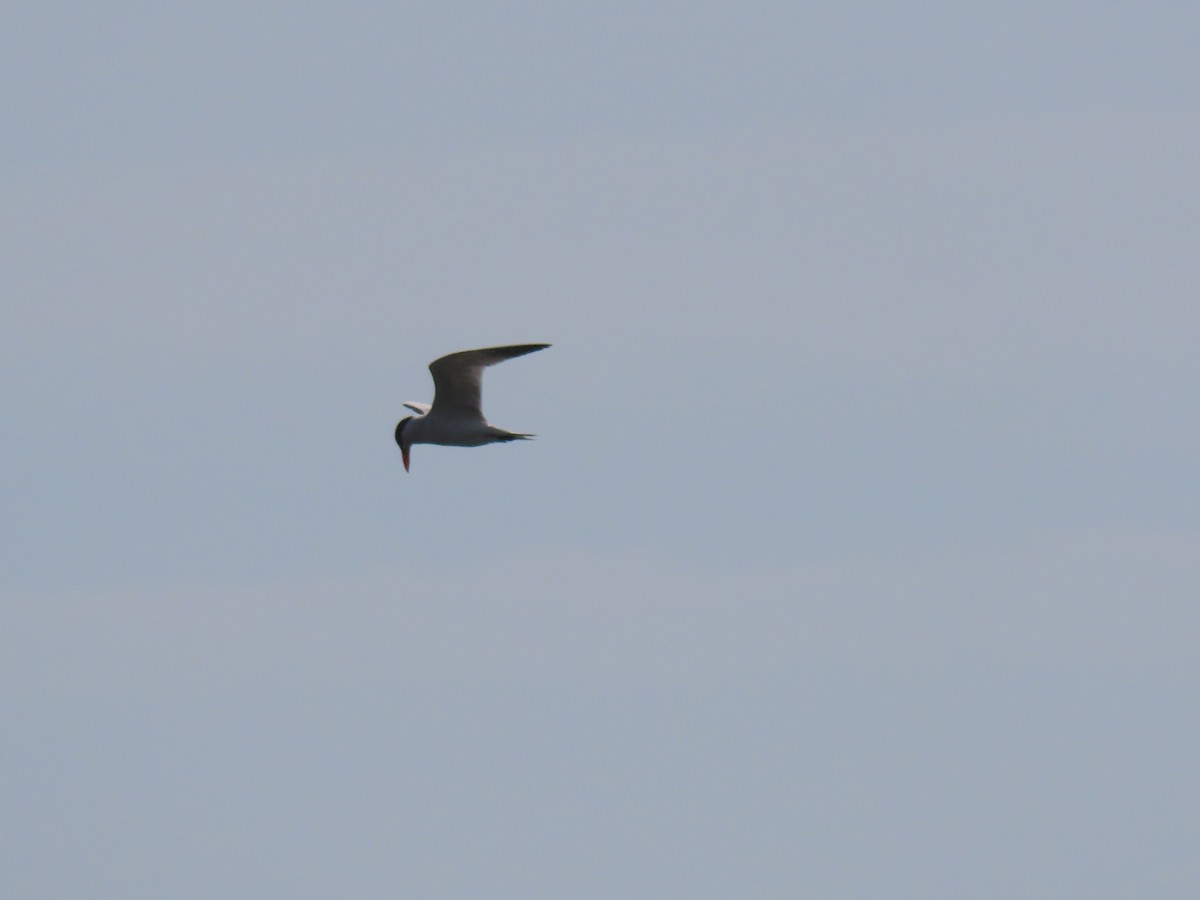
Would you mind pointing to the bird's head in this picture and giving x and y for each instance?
(403, 443)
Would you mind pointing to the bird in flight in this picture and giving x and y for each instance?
(456, 417)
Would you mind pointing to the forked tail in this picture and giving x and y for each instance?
(499, 434)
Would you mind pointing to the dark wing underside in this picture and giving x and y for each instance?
(458, 377)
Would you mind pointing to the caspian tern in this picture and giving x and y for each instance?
(456, 417)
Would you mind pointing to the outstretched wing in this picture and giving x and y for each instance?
(458, 377)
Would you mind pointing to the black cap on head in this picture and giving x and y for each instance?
(400, 430)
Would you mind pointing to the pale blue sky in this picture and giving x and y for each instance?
(858, 553)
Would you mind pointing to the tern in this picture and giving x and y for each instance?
(456, 417)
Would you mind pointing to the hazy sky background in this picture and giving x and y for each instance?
(858, 554)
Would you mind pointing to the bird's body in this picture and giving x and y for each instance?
(456, 417)
(453, 431)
